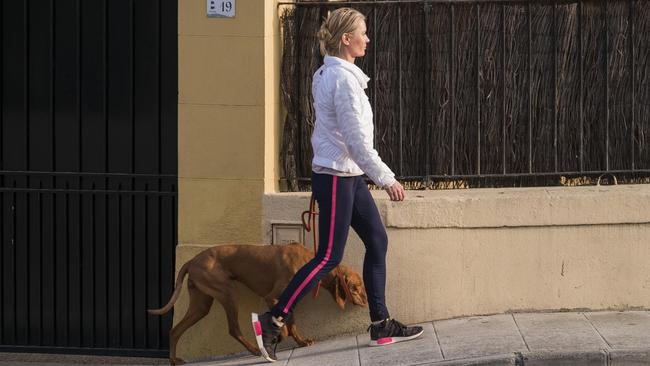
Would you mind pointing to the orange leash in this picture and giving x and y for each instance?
(310, 225)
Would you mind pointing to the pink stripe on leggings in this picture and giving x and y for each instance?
(327, 255)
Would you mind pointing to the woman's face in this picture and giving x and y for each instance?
(356, 41)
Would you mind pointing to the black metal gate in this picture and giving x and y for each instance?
(88, 174)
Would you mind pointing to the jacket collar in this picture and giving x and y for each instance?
(354, 69)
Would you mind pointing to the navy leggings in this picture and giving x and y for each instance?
(342, 202)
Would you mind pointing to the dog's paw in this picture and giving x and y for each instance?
(177, 361)
(306, 342)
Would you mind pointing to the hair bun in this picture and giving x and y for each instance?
(324, 33)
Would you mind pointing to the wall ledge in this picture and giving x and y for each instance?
(509, 207)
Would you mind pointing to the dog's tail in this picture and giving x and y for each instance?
(177, 292)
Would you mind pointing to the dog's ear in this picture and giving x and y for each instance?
(357, 290)
(339, 293)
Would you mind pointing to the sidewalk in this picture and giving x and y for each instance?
(590, 338)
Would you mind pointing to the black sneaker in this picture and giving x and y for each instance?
(391, 331)
(266, 335)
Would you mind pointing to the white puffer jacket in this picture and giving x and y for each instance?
(343, 135)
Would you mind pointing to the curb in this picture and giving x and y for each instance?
(602, 357)
(577, 358)
(496, 360)
(629, 357)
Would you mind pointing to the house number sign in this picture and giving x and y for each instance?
(221, 8)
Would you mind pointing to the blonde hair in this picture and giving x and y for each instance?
(337, 23)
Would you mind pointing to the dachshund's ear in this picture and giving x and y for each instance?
(339, 294)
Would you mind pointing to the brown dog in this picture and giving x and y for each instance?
(265, 269)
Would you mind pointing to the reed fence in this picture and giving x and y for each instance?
(486, 93)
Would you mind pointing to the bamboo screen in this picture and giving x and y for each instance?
(487, 93)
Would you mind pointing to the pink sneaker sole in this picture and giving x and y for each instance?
(390, 340)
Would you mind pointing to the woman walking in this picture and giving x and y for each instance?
(343, 151)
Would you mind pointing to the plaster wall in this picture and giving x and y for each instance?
(228, 136)
(486, 251)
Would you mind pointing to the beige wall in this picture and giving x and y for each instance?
(484, 251)
(452, 253)
(227, 127)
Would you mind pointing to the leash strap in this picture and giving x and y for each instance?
(310, 225)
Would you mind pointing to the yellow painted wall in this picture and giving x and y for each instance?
(467, 252)
(227, 130)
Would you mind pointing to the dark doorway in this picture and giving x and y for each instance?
(88, 174)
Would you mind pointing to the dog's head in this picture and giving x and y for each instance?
(354, 283)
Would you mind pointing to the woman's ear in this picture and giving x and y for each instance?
(345, 38)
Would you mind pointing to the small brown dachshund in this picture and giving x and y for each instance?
(265, 269)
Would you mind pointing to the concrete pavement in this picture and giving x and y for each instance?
(608, 338)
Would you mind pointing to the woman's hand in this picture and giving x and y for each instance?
(396, 192)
